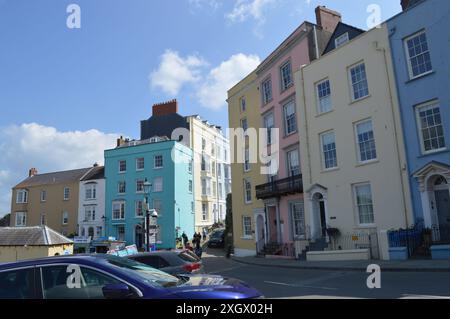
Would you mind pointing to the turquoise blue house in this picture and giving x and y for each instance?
(419, 39)
(167, 166)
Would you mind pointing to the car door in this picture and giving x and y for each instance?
(74, 282)
(18, 284)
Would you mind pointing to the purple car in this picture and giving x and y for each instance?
(110, 277)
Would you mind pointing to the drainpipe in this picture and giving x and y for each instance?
(316, 42)
(397, 147)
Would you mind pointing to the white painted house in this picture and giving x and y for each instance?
(91, 208)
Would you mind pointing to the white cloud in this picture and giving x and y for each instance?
(246, 9)
(47, 149)
(209, 4)
(175, 71)
(213, 93)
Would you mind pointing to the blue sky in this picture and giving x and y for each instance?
(61, 87)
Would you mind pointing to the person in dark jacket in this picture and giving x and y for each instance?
(185, 239)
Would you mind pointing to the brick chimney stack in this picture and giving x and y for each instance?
(33, 171)
(327, 19)
(165, 108)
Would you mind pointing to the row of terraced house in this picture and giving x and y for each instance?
(356, 142)
(179, 168)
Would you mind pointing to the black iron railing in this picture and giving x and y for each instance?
(282, 187)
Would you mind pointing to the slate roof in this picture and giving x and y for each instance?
(53, 178)
(97, 172)
(31, 236)
(341, 29)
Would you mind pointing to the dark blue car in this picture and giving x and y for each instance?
(109, 277)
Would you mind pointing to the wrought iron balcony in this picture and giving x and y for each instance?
(282, 187)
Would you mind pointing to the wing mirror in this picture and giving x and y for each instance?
(118, 291)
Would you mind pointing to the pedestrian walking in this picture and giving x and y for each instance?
(185, 239)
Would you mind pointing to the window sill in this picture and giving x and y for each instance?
(247, 237)
(290, 134)
(420, 76)
(360, 99)
(366, 226)
(122, 172)
(324, 113)
(158, 167)
(330, 170)
(430, 153)
(360, 164)
(248, 203)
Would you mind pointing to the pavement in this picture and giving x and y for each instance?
(386, 266)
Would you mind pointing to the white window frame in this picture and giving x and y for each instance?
(324, 168)
(136, 208)
(286, 126)
(283, 85)
(288, 161)
(320, 99)
(408, 57)
(66, 193)
(43, 195)
(266, 99)
(90, 212)
(358, 146)
(246, 198)
(247, 165)
(338, 42)
(434, 104)
(352, 89)
(42, 219)
(293, 219)
(120, 166)
(65, 218)
(243, 104)
(156, 159)
(23, 219)
(138, 161)
(205, 208)
(268, 128)
(121, 211)
(245, 226)
(244, 127)
(141, 183)
(355, 203)
(22, 196)
(93, 191)
(119, 184)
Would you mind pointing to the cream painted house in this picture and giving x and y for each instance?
(211, 170)
(352, 150)
(248, 224)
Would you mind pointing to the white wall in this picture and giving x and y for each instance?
(99, 203)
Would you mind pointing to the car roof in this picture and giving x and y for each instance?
(50, 260)
(158, 253)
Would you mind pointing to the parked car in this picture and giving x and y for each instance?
(110, 277)
(176, 262)
(217, 239)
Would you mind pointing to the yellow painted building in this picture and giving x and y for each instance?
(50, 199)
(22, 243)
(243, 110)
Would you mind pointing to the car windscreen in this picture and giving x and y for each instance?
(149, 274)
(217, 234)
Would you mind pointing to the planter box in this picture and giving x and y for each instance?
(398, 253)
(440, 252)
(338, 255)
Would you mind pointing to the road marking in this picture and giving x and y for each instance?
(299, 286)
(224, 270)
(423, 297)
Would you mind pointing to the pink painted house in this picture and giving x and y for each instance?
(283, 216)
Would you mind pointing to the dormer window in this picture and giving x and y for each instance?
(341, 40)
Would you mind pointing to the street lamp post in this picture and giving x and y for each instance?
(147, 186)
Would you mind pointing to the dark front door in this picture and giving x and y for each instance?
(443, 212)
(323, 219)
